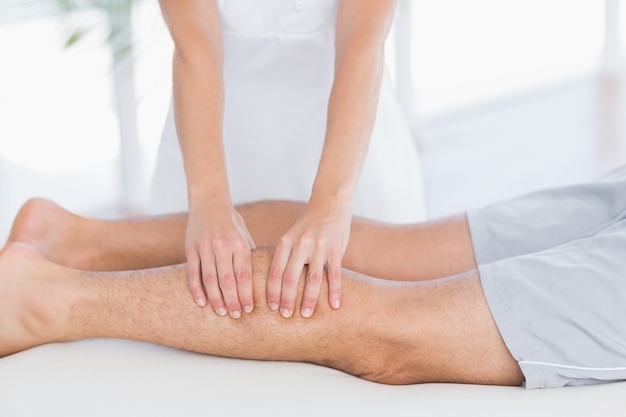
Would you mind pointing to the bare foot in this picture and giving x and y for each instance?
(51, 230)
(32, 310)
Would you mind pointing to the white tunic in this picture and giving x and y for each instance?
(278, 73)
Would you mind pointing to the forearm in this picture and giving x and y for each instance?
(351, 114)
(198, 91)
(361, 30)
(198, 103)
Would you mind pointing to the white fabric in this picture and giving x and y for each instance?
(99, 378)
(278, 70)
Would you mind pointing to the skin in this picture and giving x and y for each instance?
(218, 240)
(420, 251)
(320, 235)
(388, 330)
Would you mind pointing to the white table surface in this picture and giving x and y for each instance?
(121, 378)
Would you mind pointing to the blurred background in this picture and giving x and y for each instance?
(503, 96)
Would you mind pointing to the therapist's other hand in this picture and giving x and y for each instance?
(219, 263)
(318, 238)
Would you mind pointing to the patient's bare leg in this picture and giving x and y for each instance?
(390, 332)
(402, 252)
(105, 245)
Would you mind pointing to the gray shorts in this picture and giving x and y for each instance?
(553, 269)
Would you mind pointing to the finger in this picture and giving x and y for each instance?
(211, 285)
(334, 279)
(243, 274)
(291, 278)
(227, 283)
(275, 279)
(312, 286)
(194, 278)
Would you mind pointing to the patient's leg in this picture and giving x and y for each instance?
(105, 245)
(390, 332)
(402, 252)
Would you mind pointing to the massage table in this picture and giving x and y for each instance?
(108, 377)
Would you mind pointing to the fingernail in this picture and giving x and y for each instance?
(307, 312)
(221, 311)
(273, 306)
(235, 314)
(336, 304)
(200, 302)
(285, 313)
(248, 309)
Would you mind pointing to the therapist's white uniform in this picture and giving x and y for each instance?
(278, 72)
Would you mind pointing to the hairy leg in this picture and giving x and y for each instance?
(400, 252)
(389, 332)
(93, 244)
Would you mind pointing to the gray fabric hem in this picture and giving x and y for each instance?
(498, 306)
(476, 223)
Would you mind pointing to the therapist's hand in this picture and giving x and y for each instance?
(319, 237)
(219, 263)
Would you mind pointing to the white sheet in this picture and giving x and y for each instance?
(120, 378)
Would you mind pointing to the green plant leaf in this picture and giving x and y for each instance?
(76, 36)
(118, 13)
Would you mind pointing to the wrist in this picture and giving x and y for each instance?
(209, 202)
(340, 193)
(331, 199)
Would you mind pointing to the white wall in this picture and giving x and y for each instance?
(470, 52)
(58, 129)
